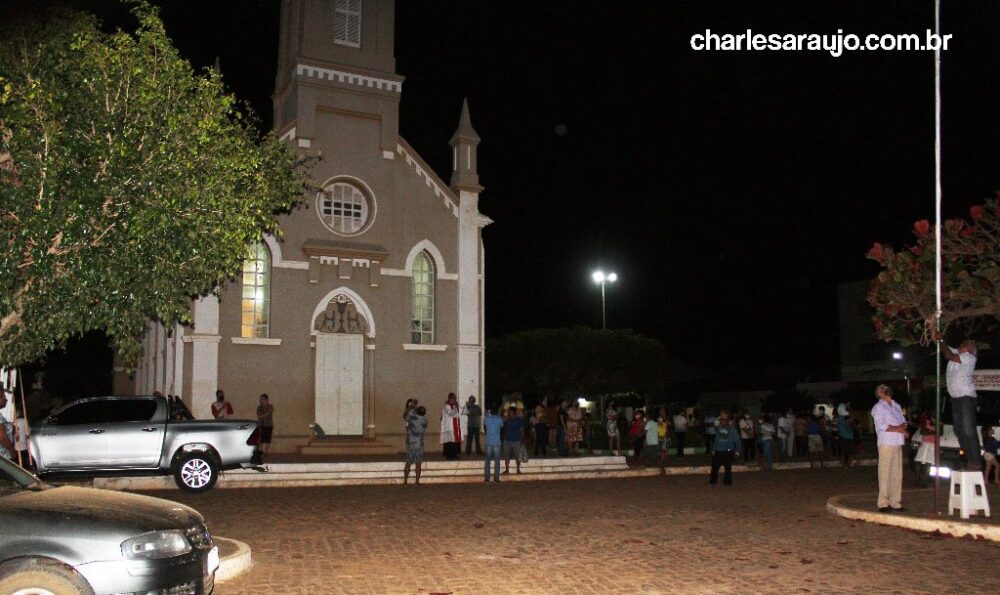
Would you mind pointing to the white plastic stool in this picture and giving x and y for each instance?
(967, 494)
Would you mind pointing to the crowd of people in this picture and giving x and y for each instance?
(564, 428)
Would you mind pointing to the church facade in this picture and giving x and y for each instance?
(374, 292)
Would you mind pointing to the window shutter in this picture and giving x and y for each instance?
(347, 22)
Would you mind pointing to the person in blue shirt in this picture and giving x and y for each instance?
(493, 424)
(513, 430)
(726, 447)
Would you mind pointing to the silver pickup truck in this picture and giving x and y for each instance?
(140, 435)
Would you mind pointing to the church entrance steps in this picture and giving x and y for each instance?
(388, 472)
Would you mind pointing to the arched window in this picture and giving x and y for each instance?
(422, 315)
(254, 323)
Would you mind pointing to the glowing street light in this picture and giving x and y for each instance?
(601, 278)
(898, 356)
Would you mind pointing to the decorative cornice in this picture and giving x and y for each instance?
(350, 78)
(430, 178)
(331, 248)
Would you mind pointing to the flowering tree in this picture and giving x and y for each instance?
(903, 293)
(128, 183)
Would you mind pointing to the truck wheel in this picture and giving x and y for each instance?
(42, 577)
(196, 472)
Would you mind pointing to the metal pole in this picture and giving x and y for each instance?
(937, 251)
(604, 323)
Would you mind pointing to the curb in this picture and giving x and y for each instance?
(233, 564)
(954, 528)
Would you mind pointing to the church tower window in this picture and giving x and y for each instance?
(344, 208)
(254, 323)
(347, 23)
(422, 316)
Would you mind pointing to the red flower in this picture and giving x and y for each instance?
(976, 212)
(918, 250)
(922, 228)
(967, 232)
(879, 325)
(875, 253)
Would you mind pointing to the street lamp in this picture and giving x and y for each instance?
(600, 277)
(898, 356)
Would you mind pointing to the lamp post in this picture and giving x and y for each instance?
(898, 356)
(600, 277)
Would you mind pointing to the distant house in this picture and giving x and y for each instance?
(375, 292)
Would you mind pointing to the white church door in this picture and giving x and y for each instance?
(340, 360)
(339, 383)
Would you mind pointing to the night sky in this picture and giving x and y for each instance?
(730, 191)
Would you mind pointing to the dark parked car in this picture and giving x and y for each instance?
(74, 540)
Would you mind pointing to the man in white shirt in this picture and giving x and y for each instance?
(961, 364)
(890, 427)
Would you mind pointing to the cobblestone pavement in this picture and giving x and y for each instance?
(769, 533)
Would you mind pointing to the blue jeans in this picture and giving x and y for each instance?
(963, 413)
(492, 454)
(768, 447)
(561, 440)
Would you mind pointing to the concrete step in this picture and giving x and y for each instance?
(363, 473)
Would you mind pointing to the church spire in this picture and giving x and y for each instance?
(464, 143)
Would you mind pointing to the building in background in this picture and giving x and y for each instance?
(374, 294)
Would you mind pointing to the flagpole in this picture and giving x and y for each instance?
(937, 252)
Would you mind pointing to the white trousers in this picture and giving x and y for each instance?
(890, 476)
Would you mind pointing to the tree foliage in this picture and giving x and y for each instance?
(903, 293)
(130, 183)
(578, 360)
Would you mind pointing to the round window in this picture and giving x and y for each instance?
(344, 208)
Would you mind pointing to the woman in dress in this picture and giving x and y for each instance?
(925, 454)
(574, 433)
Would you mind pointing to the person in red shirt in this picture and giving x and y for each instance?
(637, 433)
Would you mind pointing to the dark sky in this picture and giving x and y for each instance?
(731, 191)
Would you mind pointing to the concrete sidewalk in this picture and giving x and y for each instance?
(920, 514)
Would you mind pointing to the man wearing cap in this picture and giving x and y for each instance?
(890, 427)
(961, 364)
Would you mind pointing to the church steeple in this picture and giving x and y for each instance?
(464, 163)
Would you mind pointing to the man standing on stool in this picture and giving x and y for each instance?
(961, 363)
(890, 426)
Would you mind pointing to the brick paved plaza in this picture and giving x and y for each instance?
(769, 533)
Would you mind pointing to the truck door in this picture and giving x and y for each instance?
(75, 436)
(135, 436)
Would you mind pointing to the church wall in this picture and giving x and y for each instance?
(376, 18)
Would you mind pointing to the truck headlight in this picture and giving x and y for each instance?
(155, 545)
